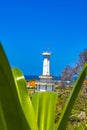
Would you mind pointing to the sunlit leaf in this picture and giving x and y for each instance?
(71, 100)
(24, 98)
(44, 104)
(11, 112)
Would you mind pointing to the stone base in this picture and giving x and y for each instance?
(45, 86)
(45, 76)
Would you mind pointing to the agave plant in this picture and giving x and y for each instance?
(19, 112)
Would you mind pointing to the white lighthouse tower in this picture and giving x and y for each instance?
(46, 67)
(46, 63)
(45, 83)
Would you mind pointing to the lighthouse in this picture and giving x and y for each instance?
(46, 67)
(45, 83)
(46, 63)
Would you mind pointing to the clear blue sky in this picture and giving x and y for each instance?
(29, 27)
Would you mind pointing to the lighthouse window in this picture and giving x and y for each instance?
(42, 88)
(49, 88)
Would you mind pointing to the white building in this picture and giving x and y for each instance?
(46, 83)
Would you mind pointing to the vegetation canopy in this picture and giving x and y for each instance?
(19, 112)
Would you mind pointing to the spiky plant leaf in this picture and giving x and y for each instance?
(70, 102)
(2, 120)
(12, 115)
(44, 104)
(25, 101)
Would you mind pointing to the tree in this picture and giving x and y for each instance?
(70, 72)
(82, 58)
(81, 61)
(67, 74)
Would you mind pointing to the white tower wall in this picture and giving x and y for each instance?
(46, 63)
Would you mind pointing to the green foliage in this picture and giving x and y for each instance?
(75, 119)
(11, 114)
(44, 105)
(16, 109)
(18, 112)
(70, 102)
(24, 99)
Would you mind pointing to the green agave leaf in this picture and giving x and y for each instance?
(12, 115)
(44, 104)
(24, 98)
(2, 120)
(70, 102)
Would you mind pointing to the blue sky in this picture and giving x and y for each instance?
(27, 28)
